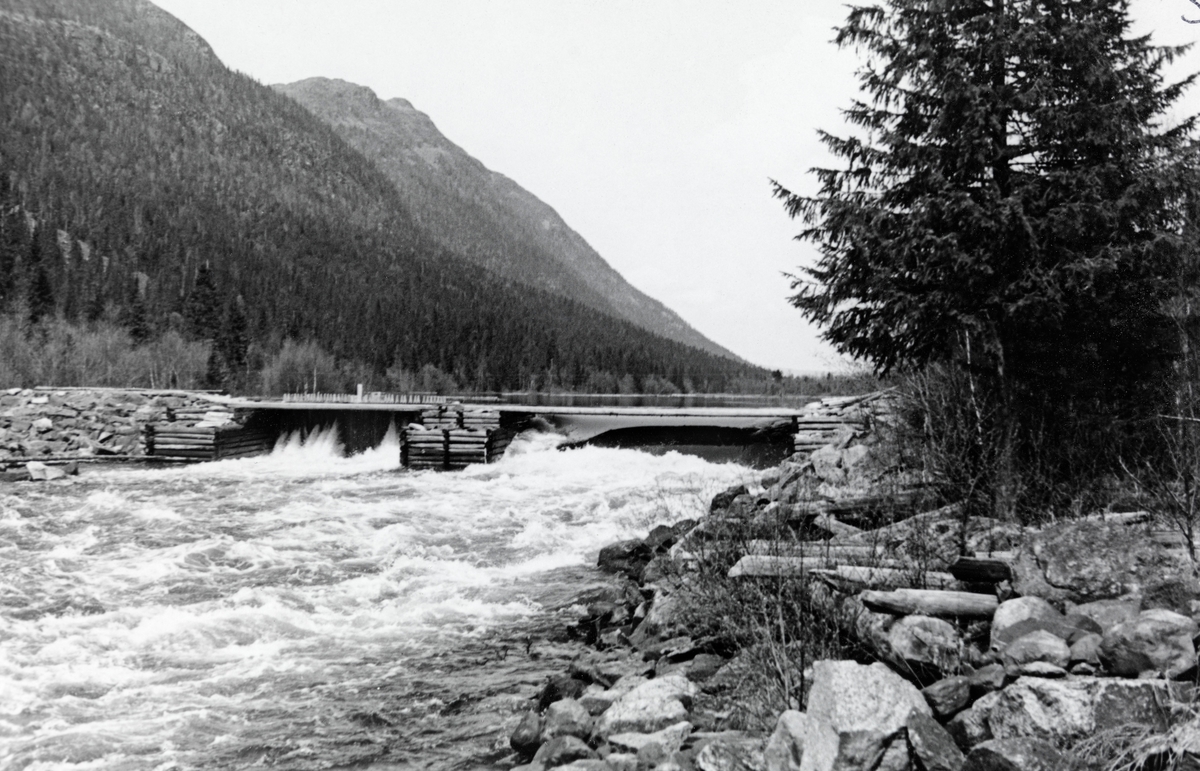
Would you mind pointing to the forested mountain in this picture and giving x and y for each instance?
(130, 158)
(479, 213)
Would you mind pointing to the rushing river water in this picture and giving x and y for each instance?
(306, 610)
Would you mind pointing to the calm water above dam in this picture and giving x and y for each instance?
(305, 610)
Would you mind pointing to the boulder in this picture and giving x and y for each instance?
(1039, 646)
(649, 707)
(626, 557)
(526, 737)
(931, 745)
(986, 679)
(661, 621)
(827, 464)
(1086, 650)
(970, 727)
(926, 646)
(1065, 710)
(948, 695)
(1083, 561)
(560, 687)
(1018, 754)
(562, 750)
(1108, 613)
(661, 538)
(704, 666)
(622, 761)
(723, 499)
(853, 713)
(668, 740)
(1059, 627)
(1082, 625)
(566, 717)
(743, 753)
(1016, 610)
(1156, 641)
(785, 748)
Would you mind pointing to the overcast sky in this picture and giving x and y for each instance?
(652, 126)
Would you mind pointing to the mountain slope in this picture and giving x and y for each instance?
(479, 213)
(130, 157)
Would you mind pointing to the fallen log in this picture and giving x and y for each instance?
(839, 529)
(851, 578)
(931, 602)
(857, 555)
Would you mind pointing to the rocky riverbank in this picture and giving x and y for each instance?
(57, 426)
(971, 644)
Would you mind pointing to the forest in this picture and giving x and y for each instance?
(146, 187)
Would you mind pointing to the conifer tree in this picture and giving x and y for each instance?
(1009, 199)
(41, 292)
(1009, 202)
(201, 310)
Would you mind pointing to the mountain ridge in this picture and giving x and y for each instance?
(481, 213)
(144, 162)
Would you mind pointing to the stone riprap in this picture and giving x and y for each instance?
(48, 425)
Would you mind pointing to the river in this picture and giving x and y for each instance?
(305, 610)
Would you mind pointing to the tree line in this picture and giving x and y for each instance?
(143, 183)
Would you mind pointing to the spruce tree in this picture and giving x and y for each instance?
(201, 310)
(40, 300)
(1012, 192)
(1009, 201)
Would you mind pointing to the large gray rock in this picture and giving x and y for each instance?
(1156, 641)
(668, 740)
(562, 750)
(970, 727)
(1108, 613)
(1040, 646)
(566, 717)
(854, 711)
(627, 557)
(948, 695)
(649, 707)
(933, 748)
(1019, 609)
(827, 464)
(526, 737)
(727, 754)
(1017, 754)
(929, 647)
(1084, 561)
(785, 748)
(1065, 710)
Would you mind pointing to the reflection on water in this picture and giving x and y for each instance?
(304, 609)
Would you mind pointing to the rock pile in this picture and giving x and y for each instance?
(45, 424)
(996, 646)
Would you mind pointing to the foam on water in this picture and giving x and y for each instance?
(227, 613)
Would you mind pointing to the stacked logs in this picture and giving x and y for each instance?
(214, 437)
(835, 419)
(450, 437)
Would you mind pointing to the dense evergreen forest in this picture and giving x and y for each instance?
(478, 213)
(144, 183)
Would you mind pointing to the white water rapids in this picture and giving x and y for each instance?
(306, 610)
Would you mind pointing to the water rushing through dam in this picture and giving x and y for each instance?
(307, 610)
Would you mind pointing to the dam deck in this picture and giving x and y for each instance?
(751, 433)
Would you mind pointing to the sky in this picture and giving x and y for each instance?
(653, 127)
